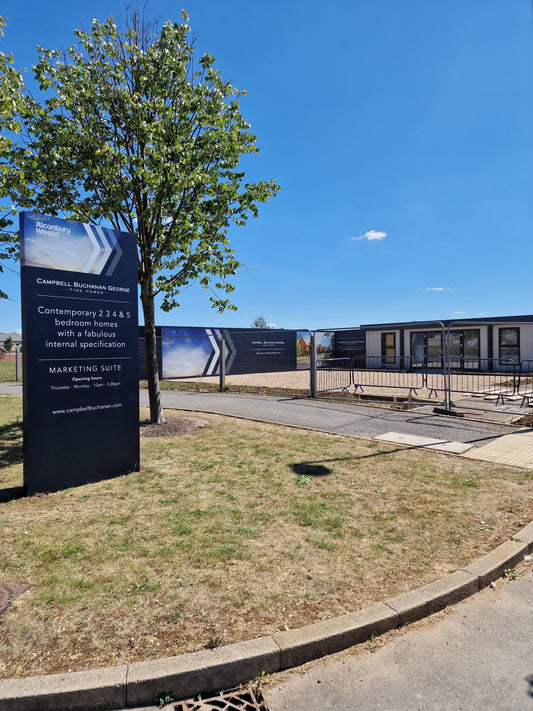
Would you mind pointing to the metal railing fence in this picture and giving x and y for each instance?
(488, 378)
(478, 377)
(396, 373)
(369, 372)
(334, 374)
(525, 380)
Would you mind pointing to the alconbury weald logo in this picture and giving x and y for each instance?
(51, 243)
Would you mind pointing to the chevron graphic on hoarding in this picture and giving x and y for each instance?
(214, 358)
(232, 351)
(213, 363)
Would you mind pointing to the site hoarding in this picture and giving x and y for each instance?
(80, 353)
(195, 352)
(349, 343)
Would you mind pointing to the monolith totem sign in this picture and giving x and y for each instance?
(80, 353)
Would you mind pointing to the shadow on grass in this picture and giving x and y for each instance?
(310, 469)
(15, 492)
(318, 469)
(10, 444)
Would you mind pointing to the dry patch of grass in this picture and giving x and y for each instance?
(231, 530)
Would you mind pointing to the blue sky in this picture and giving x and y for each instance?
(401, 134)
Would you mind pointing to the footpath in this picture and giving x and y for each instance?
(478, 656)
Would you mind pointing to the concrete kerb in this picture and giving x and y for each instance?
(208, 671)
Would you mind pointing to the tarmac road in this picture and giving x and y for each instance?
(335, 417)
(339, 418)
(476, 656)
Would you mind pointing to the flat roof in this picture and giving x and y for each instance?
(447, 322)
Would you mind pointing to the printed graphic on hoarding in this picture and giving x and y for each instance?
(324, 345)
(195, 352)
(191, 352)
(80, 344)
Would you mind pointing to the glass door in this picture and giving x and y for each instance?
(434, 350)
(417, 350)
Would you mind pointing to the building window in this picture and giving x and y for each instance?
(426, 349)
(465, 349)
(509, 344)
(388, 348)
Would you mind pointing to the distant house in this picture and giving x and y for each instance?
(6, 355)
(304, 346)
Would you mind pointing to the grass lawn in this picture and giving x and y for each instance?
(232, 529)
(8, 372)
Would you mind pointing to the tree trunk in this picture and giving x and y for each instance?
(154, 392)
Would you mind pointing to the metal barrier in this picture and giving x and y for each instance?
(333, 374)
(489, 378)
(402, 373)
(398, 373)
(483, 377)
(525, 381)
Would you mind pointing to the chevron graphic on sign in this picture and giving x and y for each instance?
(116, 259)
(103, 244)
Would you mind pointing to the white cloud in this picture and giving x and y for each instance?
(371, 235)
(459, 313)
(438, 288)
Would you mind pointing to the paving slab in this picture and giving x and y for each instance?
(411, 440)
(514, 449)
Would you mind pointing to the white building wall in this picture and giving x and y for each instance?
(526, 339)
(373, 348)
(373, 343)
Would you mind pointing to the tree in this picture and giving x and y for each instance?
(8, 344)
(133, 130)
(260, 322)
(10, 91)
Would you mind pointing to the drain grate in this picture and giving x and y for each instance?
(241, 699)
(9, 592)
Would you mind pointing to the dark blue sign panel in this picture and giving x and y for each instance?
(192, 352)
(349, 344)
(80, 353)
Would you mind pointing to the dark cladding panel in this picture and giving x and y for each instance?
(349, 344)
(261, 351)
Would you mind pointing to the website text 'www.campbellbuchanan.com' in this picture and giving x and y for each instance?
(87, 408)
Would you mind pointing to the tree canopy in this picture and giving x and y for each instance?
(11, 86)
(134, 131)
(260, 322)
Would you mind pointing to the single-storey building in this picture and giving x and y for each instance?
(473, 344)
